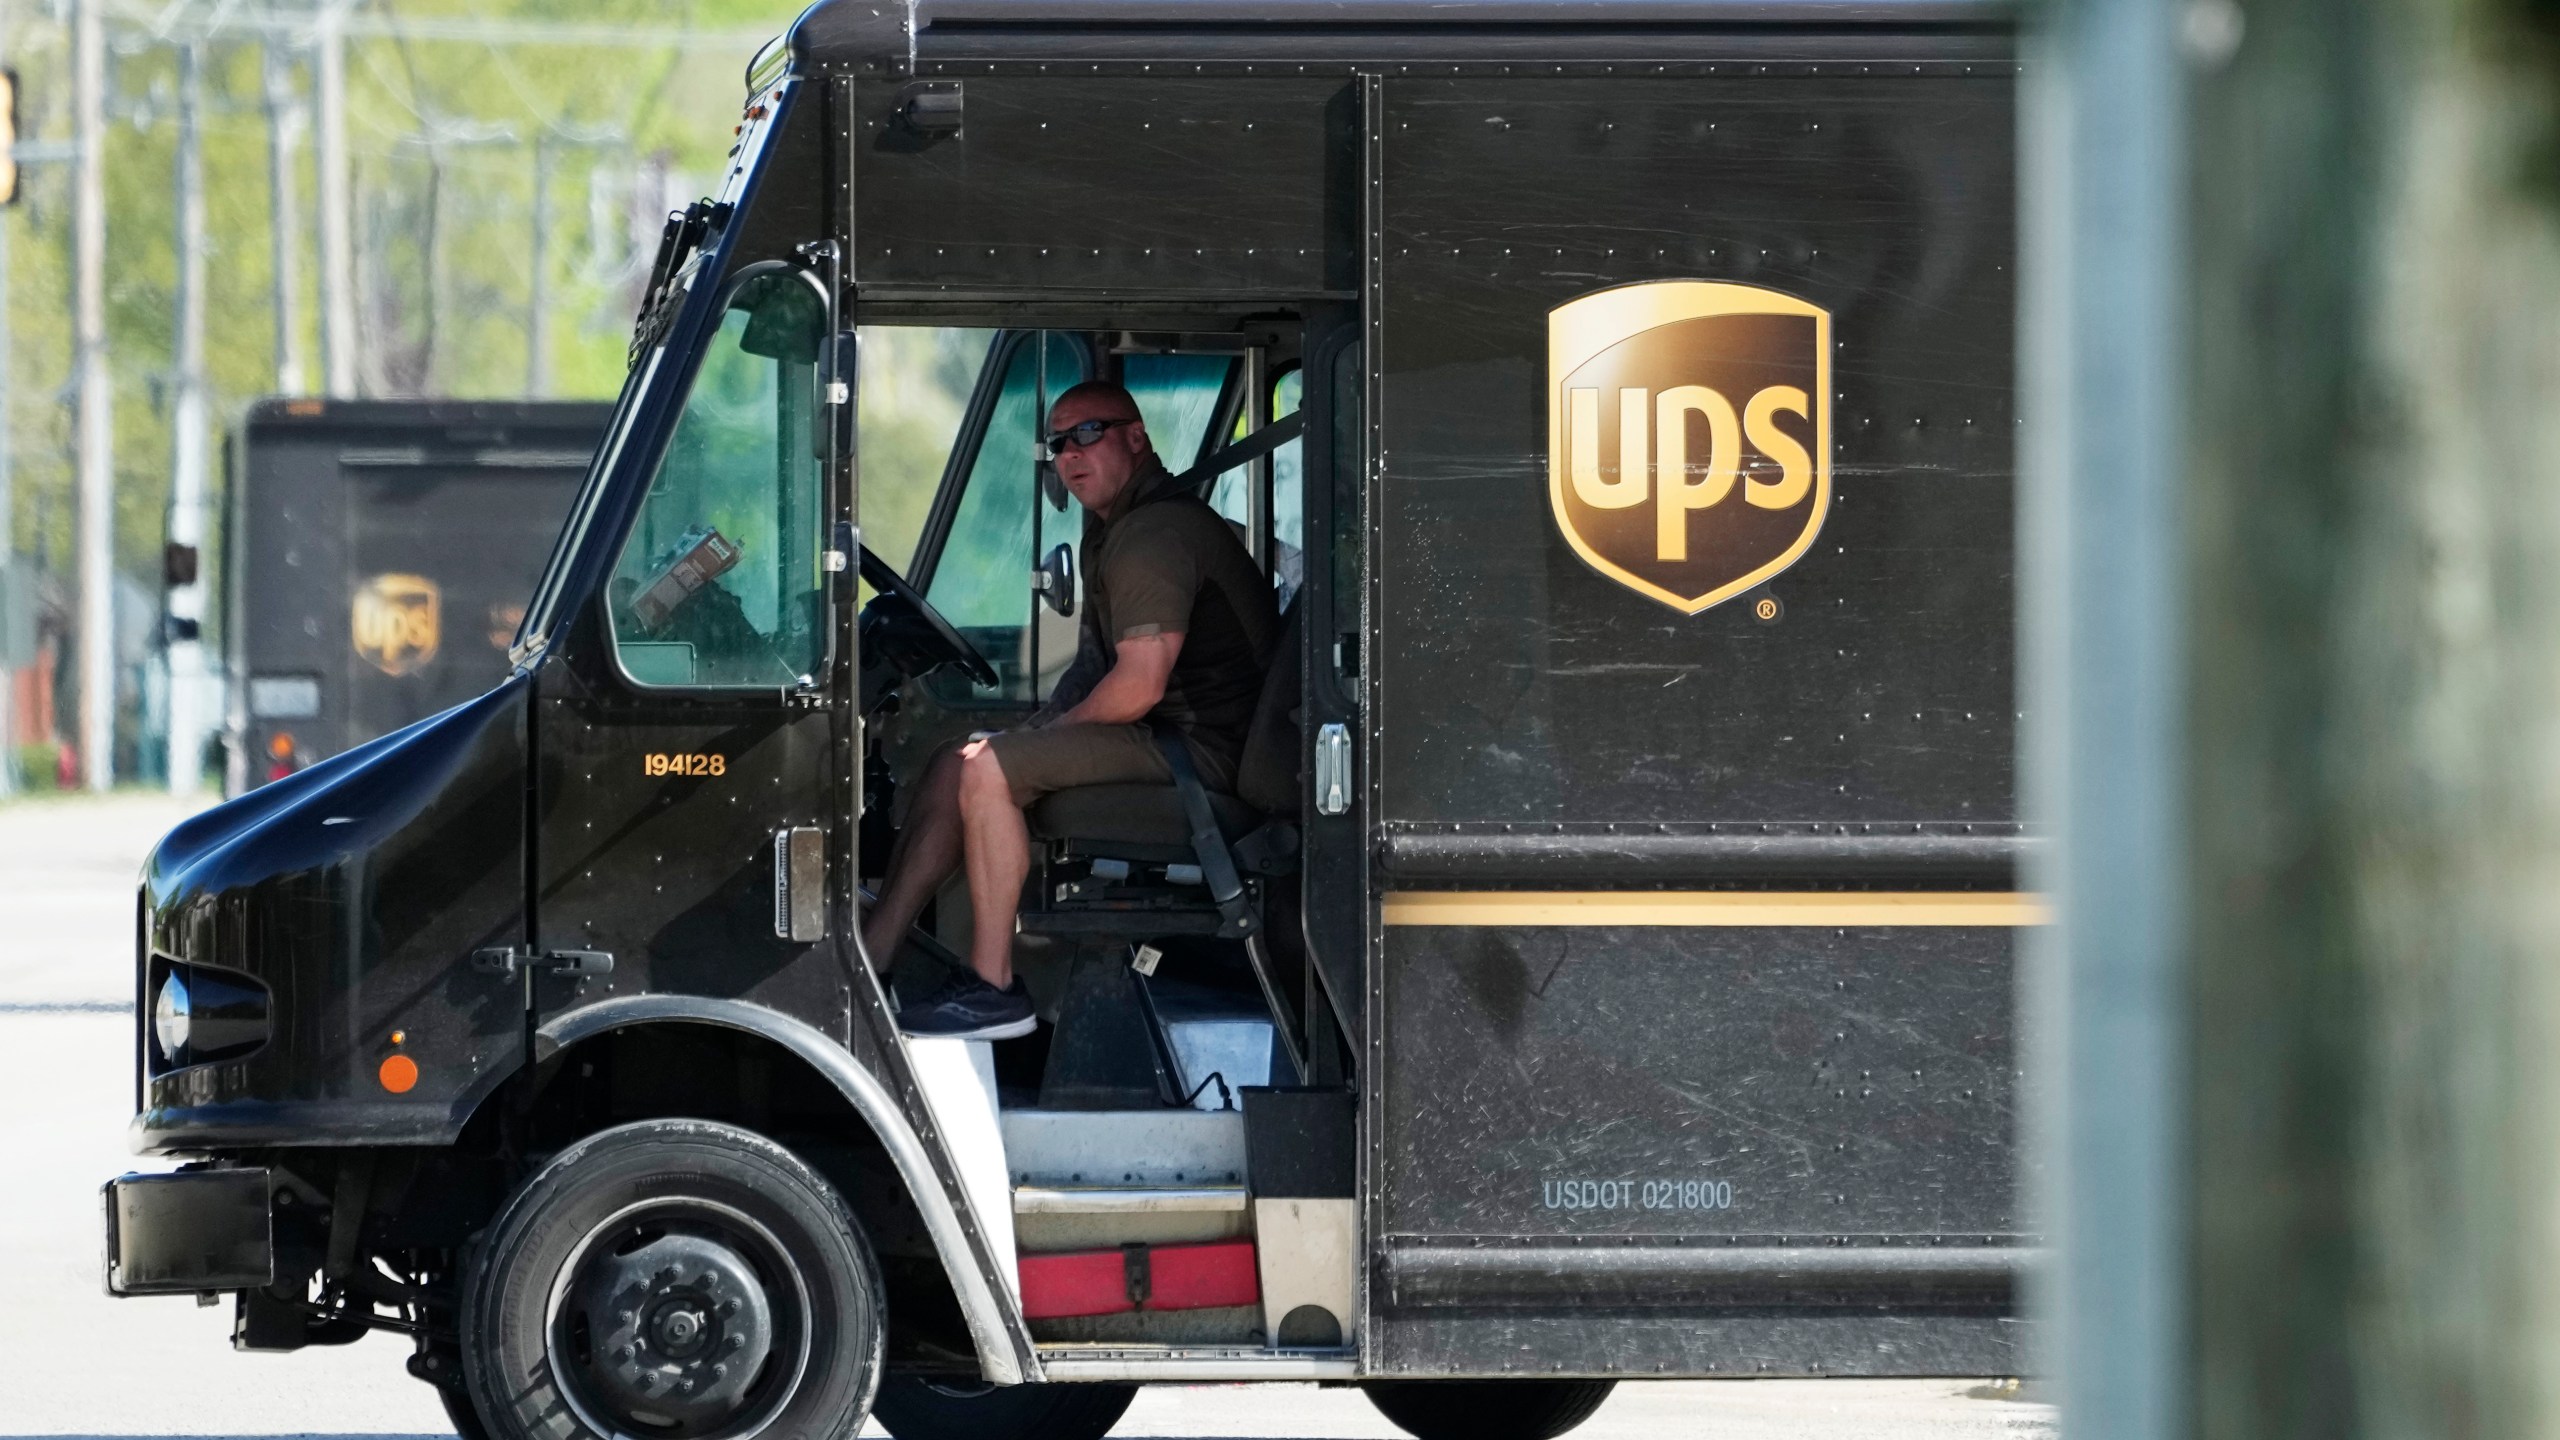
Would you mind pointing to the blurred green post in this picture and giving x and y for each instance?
(2308, 309)
(2373, 488)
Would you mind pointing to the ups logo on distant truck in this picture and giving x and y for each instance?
(398, 622)
(1689, 434)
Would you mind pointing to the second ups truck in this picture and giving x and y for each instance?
(377, 558)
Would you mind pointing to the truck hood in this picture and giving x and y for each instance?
(320, 817)
(355, 894)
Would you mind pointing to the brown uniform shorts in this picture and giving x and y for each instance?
(1062, 757)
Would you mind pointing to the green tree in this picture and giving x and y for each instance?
(446, 131)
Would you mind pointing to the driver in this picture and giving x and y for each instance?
(1186, 624)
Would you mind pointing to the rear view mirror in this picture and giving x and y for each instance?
(786, 319)
(1055, 580)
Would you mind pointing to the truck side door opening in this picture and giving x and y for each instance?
(998, 510)
(1143, 1069)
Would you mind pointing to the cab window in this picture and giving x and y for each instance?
(1288, 469)
(981, 580)
(1231, 494)
(719, 583)
(966, 407)
(913, 384)
(1180, 395)
(953, 493)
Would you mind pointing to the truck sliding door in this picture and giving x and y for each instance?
(1694, 720)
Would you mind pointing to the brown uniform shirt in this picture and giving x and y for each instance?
(1171, 564)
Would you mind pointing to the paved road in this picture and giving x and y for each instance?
(90, 1366)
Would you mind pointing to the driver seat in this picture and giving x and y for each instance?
(1152, 825)
(1134, 822)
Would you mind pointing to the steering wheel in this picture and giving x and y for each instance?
(946, 645)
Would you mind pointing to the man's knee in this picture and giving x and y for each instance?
(982, 779)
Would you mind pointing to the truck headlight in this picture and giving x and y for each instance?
(172, 1017)
(203, 1013)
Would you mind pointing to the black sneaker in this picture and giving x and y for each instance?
(965, 1007)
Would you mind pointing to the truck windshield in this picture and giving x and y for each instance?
(720, 582)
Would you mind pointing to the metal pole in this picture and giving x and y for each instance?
(284, 127)
(2103, 618)
(337, 243)
(8, 510)
(537, 328)
(1257, 475)
(189, 705)
(95, 415)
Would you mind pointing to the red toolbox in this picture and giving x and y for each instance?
(1139, 1277)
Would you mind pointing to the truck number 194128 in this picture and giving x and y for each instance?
(660, 763)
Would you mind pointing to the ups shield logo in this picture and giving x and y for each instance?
(1689, 434)
(397, 625)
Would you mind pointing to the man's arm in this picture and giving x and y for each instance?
(1134, 685)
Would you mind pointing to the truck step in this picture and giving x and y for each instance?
(1126, 1200)
(1151, 1149)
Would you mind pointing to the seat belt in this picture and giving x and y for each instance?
(1217, 865)
(1252, 447)
(1218, 868)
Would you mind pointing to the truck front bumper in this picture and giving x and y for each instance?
(189, 1233)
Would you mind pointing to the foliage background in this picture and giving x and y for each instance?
(445, 137)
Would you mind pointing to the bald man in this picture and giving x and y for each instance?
(1185, 624)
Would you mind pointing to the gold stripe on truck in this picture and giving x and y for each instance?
(1713, 907)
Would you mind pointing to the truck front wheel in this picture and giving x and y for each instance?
(1487, 1409)
(674, 1278)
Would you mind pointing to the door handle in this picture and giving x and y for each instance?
(1333, 768)
(504, 961)
(800, 884)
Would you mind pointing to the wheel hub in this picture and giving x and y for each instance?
(678, 1329)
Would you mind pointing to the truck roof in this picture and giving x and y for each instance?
(910, 36)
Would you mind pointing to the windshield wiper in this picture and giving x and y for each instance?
(683, 236)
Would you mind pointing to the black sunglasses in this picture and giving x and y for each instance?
(1078, 435)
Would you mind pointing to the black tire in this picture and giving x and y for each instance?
(724, 1287)
(913, 1408)
(458, 1411)
(1487, 1409)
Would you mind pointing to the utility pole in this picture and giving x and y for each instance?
(337, 243)
(8, 498)
(284, 129)
(537, 324)
(95, 414)
(189, 703)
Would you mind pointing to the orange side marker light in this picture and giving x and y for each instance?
(399, 1074)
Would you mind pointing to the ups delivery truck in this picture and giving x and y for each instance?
(1602, 969)
(377, 558)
